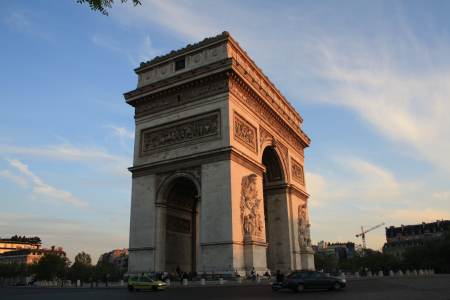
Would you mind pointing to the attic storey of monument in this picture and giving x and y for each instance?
(218, 171)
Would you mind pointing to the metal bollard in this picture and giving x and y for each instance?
(391, 273)
(380, 274)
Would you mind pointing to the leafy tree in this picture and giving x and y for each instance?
(325, 262)
(103, 5)
(82, 268)
(106, 269)
(83, 258)
(50, 267)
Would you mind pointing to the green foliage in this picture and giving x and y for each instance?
(105, 269)
(326, 262)
(83, 258)
(103, 5)
(434, 254)
(50, 267)
(14, 270)
(82, 268)
(18, 238)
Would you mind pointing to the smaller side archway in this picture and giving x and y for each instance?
(275, 210)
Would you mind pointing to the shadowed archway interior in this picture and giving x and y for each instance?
(273, 176)
(181, 226)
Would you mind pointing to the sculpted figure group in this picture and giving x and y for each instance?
(304, 239)
(250, 207)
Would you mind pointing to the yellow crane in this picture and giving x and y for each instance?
(363, 233)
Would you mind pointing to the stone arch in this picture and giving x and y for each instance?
(281, 154)
(178, 199)
(275, 198)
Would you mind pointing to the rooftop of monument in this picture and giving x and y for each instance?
(207, 42)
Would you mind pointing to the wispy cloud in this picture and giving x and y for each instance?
(140, 52)
(67, 152)
(180, 17)
(19, 180)
(39, 187)
(21, 22)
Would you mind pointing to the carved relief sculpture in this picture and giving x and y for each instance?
(245, 132)
(297, 172)
(304, 239)
(183, 131)
(251, 218)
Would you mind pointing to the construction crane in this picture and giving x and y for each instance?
(363, 233)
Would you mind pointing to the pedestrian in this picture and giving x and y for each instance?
(279, 276)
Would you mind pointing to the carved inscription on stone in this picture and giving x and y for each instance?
(251, 218)
(177, 224)
(245, 132)
(304, 239)
(190, 129)
(297, 171)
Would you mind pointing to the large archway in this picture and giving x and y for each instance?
(182, 238)
(273, 178)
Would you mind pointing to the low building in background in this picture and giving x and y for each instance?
(29, 255)
(340, 250)
(7, 245)
(399, 239)
(117, 257)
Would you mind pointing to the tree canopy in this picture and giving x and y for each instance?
(103, 5)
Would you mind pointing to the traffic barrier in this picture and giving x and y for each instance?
(185, 281)
(400, 273)
(356, 275)
(414, 272)
(202, 281)
(221, 281)
(239, 279)
(421, 272)
(369, 273)
(407, 273)
(391, 273)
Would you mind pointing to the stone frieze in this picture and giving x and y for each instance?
(191, 129)
(245, 132)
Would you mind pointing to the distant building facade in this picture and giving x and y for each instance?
(29, 255)
(117, 257)
(7, 245)
(340, 250)
(399, 239)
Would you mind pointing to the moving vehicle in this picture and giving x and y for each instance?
(145, 283)
(301, 280)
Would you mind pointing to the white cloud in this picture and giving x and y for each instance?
(40, 188)
(121, 132)
(19, 180)
(181, 17)
(114, 164)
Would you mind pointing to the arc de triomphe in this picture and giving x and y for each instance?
(218, 178)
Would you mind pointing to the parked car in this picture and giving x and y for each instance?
(301, 280)
(145, 283)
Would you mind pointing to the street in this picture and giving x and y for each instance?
(437, 287)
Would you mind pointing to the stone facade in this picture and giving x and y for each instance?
(218, 176)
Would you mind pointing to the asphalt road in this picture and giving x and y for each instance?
(382, 288)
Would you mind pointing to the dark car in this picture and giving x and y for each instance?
(301, 280)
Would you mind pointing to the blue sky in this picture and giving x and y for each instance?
(370, 78)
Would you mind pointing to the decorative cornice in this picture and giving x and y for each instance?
(183, 51)
(226, 153)
(176, 83)
(246, 94)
